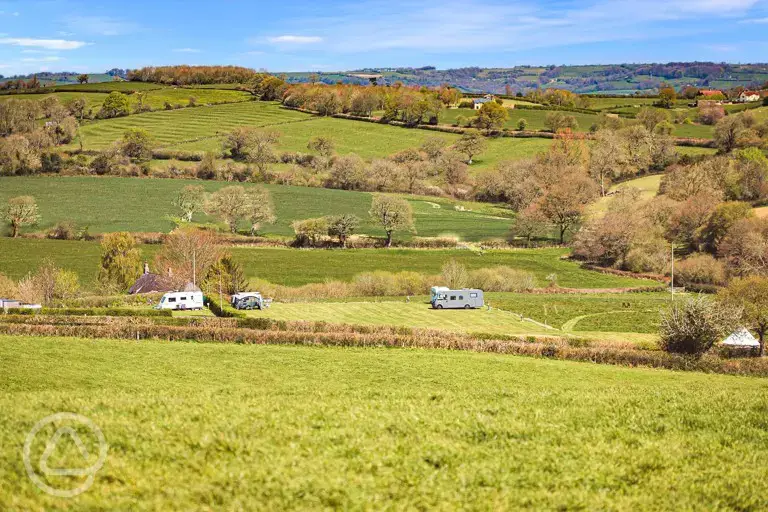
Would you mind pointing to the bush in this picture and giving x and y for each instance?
(691, 326)
(700, 269)
(502, 279)
(64, 230)
(223, 310)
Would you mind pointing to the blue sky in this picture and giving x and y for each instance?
(327, 35)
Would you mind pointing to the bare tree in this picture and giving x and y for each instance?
(20, 211)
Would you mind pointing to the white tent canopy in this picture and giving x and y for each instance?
(741, 338)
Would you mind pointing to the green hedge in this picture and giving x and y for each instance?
(106, 312)
(223, 310)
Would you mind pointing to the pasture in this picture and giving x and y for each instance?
(601, 318)
(416, 314)
(296, 267)
(107, 204)
(279, 427)
(202, 128)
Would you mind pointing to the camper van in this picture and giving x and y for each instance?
(437, 290)
(181, 301)
(250, 300)
(467, 298)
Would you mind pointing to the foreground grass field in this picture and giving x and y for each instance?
(194, 426)
(295, 267)
(131, 204)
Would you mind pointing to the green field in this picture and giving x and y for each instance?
(647, 185)
(192, 426)
(93, 100)
(132, 204)
(201, 129)
(414, 314)
(601, 319)
(121, 86)
(294, 267)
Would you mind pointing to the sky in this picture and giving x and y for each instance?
(330, 35)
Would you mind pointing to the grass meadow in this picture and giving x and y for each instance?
(296, 267)
(202, 128)
(192, 425)
(106, 204)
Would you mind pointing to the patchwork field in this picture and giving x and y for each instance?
(308, 428)
(294, 267)
(107, 204)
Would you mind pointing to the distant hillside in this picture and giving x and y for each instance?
(48, 78)
(609, 79)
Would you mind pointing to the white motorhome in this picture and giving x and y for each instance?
(466, 298)
(437, 290)
(181, 301)
(250, 300)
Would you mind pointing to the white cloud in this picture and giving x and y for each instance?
(758, 21)
(186, 50)
(48, 44)
(101, 25)
(49, 58)
(291, 39)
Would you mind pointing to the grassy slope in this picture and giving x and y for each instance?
(647, 185)
(297, 267)
(131, 204)
(200, 129)
(265, 427)
(93, 100)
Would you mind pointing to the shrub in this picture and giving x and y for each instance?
(223, 310)
(502, 279)
(64, 230)
(700, 269)
(691, 326)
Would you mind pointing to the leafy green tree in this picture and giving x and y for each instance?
(309, 231)
(522, 124)
(720, 222)
(650, 117)
(20, 211)
(558, 121)
(343, 226)
(137, 144)
(83, 79)
(491, 116)
(667, 97)
(120, 260)
(115, 105)
(393, 213)
(471, 144)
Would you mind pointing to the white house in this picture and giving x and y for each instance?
(478, 103)
(747, 96)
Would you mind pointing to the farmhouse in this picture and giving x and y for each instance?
(747, 96)
(478, 103)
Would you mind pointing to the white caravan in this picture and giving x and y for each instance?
(181, 301)
(467, 298)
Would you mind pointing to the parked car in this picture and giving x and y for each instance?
(250, 300)
(181, 301)
(467, 298)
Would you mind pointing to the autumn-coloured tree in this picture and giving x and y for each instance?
(187, 255)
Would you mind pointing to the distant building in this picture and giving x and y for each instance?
(748, 96)
(149, 282)
(478, 103)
